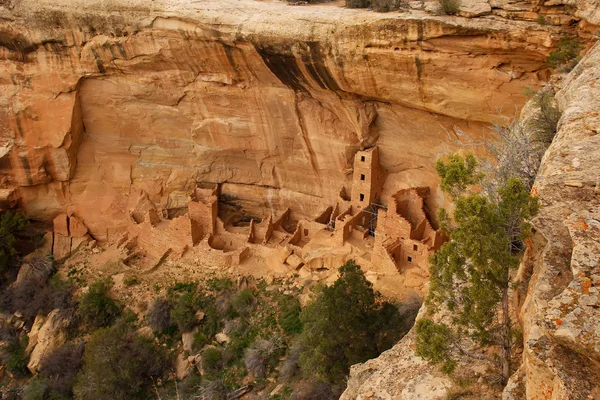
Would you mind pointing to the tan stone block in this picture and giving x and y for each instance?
(76, 227)
(61, 225)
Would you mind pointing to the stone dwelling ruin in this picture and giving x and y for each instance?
(387, 238)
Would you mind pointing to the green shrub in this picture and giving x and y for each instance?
(243, 302)
(130, 281)
(541, 20)
(219, 284)
(289, 315)
(183, 287)
(36, 389)
(385, 5)
(10, 225)
(566, 52)
(433, 343)
(119, 365)
(212, 361)
(183, 313)
(97, 309)
(340, 326)
(15, 359)
(358, 3)
(449, 7)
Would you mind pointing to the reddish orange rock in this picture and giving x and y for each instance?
(61, 225)
(76, 227)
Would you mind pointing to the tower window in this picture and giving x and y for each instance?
(409, 259)
(362, 177)
(362, 197)
(415, 247)
(362, 158)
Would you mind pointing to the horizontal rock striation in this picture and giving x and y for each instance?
(101, 100)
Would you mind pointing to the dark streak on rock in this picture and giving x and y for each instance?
(99, 62)
(27, 169)
(316, 68)
(284, 67)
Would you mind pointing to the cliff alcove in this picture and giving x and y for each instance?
(174, 139)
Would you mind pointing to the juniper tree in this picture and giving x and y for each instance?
(470, 274)
(347, 323)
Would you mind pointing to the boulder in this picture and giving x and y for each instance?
(294, 261)
(187, 339)
(39, 269)
(222, 338)
(183, 368)
(474, 8)
(77, 228)
(50, 336)
(34, 333)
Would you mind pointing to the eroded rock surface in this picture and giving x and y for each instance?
(102, 100)
(561, 322)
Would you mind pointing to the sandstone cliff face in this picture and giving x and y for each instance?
(561, 323)
(102, 101)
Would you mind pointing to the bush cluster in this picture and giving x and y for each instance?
(340, 326)
(97, 309)
(375, 5)
(11, 224)
(118, 365)
(566, 53)
(449, 7)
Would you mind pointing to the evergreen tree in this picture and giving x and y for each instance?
(470, 274)
(343, 326)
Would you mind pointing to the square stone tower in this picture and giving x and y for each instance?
(368, 178)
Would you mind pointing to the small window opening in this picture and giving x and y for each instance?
(362, 158)
(362, 197)
(415, 247)
(409, 259)
(306, 232)
(362, 177)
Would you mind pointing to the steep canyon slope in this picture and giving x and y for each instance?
(557, 303)
(104, 100)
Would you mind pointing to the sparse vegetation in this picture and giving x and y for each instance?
(358, 3)
(97, 309)
(15, 358)
(60, 369)
(289, 315)
(35, 295)
(518, 146)
(449, 7)
(11, 224)
(566, 53)
(118, 365)
(433, 343)
(183, 313)
(385, 5)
